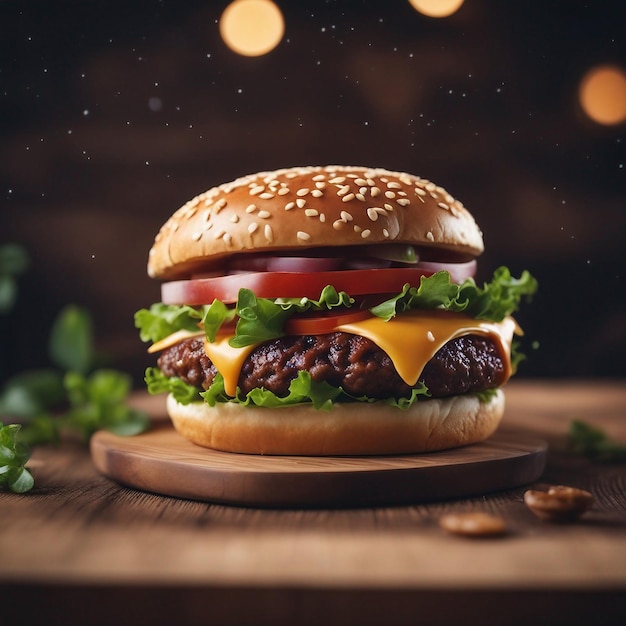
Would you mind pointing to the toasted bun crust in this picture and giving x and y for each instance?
(348, 429)
(307, 207)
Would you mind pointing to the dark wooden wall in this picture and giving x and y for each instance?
(112, 114)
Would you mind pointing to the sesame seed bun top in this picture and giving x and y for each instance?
(311, 207)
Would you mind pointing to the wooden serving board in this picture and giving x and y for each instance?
(161, 461)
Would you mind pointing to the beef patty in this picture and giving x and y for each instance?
(467, 364)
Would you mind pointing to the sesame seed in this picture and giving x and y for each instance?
(338, 224)
(360, 196)
(251, 208)
(317, 193)
(390, 194)
(388, 207)
(255, 191)
(283, 191)
(302, 192)
(300, 203)
(264, 214)
(430, 336)
(342, 191)
(349, 197)
(289, 206)
(375, 192)
(302, 236)
(207, 215)
(385, 232)
(322, 217)
(337, 180)
(234, 218)
(419, 191)
(360, 181)
(196, 236)
(443, 205)
(430, 236)
(266, 196)
(394, 185)
(269, 233)
(319, 177)
(252, 227)
(320, 185)
(311, 212)
(227, 237)
(346, 217)
(371, 182)
(219, 205)
(366, 233)
(372, 213)
(219, 234)
(357, 228)
(403, 202)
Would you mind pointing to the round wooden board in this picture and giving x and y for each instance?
(161, 461)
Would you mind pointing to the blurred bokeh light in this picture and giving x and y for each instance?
(252, 27)
(437, 8)
(603, 94)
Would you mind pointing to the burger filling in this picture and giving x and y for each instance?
(435, 340)
(468, 364)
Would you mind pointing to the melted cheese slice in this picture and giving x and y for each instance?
(174, 338)
(227, 360)
(413, 338)
(410, 340)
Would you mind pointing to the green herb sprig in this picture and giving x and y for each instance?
(77, 396)
(13, 261)
(13, 458)
(593, 443)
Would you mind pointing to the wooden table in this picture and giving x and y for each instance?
(81, 549)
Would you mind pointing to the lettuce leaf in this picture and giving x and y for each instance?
(161, 320)
(494, 301)
(302, 390)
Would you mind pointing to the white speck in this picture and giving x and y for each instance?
(86, 112)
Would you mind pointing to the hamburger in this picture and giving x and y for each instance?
(329, 311)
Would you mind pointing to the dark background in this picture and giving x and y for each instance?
(113, 114)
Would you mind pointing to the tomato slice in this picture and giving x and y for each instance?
(322, 322)
(302, 284)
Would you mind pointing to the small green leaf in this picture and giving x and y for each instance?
(8, 293)
(13, 458)
(71, 340)
(13, 259)
(31, 392)
(21, 480)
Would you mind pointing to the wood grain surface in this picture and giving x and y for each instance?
(161, 461)
(82, 549)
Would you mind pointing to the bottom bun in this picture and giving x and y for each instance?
(347, 429)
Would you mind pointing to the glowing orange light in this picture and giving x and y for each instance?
(602, 94)
(436, 8)
(252, 27)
